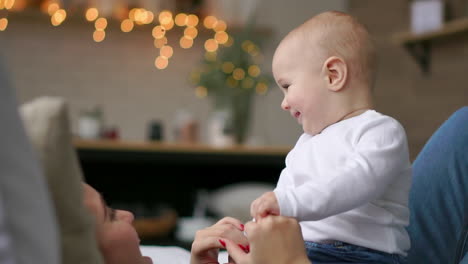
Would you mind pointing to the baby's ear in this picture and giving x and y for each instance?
(335, 73)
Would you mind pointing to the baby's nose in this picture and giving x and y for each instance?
(285, 105)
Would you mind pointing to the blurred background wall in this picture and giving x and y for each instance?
(118, 74)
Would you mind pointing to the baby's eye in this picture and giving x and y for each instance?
(285, 86)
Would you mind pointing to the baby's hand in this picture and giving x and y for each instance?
(267, 204)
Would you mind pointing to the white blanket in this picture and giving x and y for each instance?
(173, 255)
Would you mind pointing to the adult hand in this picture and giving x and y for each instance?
(208, 241)
(273, 240)
(267, 204)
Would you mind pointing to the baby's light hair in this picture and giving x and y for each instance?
(339, 34)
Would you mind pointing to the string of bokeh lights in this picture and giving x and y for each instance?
(164, 21)
(136, 17)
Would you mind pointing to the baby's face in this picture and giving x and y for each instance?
(298, 73)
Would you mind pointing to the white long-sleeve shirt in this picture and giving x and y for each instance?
(350, 183)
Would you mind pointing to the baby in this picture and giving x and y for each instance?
(347, 179)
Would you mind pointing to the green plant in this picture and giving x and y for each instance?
(231, 76)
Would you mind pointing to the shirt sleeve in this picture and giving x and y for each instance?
(380, 155)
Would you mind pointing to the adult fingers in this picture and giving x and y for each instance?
(238, 254)
(230, 220)
(207, 243)
(221, 231)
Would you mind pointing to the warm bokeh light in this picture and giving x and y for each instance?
(248, 46)
(140, 15)
(165, 17)
(166, 51)
(261, 88)
(247, 83)
(58, 17)
(158, 32)
(227, 67)
(192, 20)
(161, 62)
(238, 74)
(9, 4)
(181, 19)
(191, 32)
(52, 8)
(186, 42)
(169, 25)
(254, 52)
(92, 14)
(131, 14)
(127, 25)
(211, 45)
(201, 92)
(99, 35)
(220, 26)
(159, 43)
(149, 18)
(100, 24)
(211, 56)
(221, 37)
(2, 5)
(254, 70)
(210, 22)
(3, 24)
(231, 82)
(54, 21)
(229, 42)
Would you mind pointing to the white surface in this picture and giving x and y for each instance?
(173, 255)
(351, 183)
(426, 16)
(188, 226)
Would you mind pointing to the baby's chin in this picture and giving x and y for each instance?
(312, 130)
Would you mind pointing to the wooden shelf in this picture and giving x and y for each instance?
(449, 29)
(132, 146)
(419, 45)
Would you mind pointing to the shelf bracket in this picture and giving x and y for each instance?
(421, 51)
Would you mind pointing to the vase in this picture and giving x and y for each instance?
(231, 118)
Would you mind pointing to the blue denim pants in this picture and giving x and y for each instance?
(340, 252)
(439, 196)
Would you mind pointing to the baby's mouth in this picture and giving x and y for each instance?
(297, 114)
